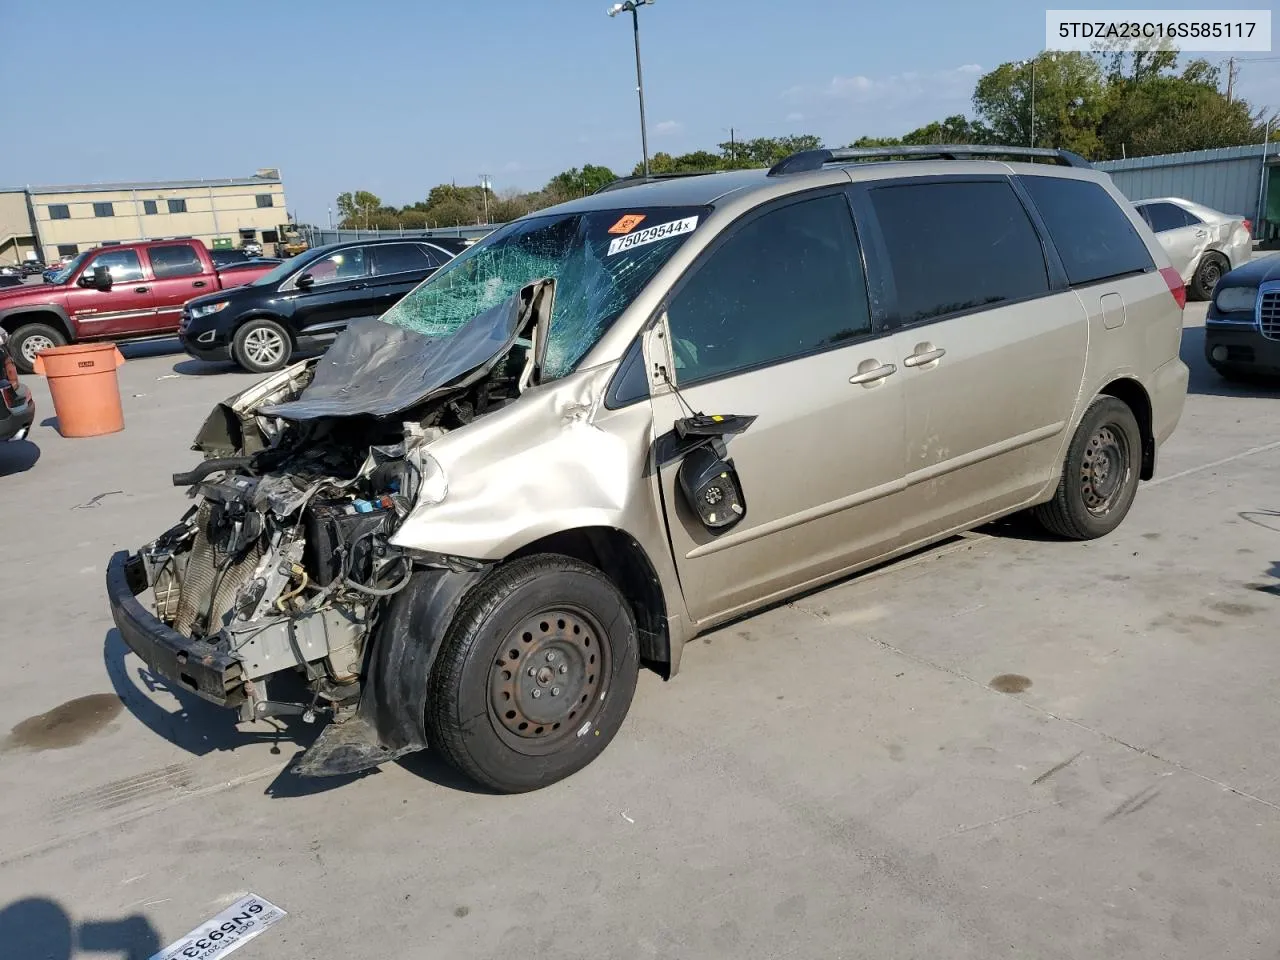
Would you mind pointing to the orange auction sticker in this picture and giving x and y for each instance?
(627, 223)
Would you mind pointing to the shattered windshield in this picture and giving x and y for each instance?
(600, 261)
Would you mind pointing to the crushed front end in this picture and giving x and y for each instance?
(284, 569)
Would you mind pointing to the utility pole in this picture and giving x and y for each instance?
(1033, 103)
(733, 148)
(484, 188)
(632, 7)
(1231, 76)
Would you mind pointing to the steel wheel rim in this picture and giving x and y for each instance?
(263, 346)
(1105, 469)
(1210, 275)
(549, 680)
(33, 345)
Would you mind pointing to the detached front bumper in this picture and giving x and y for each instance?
(192, 665)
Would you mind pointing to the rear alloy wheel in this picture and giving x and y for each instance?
(262, 346)
(1100, 476)
(29, 340)
(535, 675)
(1206, 278)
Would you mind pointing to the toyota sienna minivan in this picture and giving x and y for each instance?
(617, 423)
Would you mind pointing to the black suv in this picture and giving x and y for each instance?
(308, 300)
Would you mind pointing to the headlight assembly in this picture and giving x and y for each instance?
(1236, 299)
(208, 309)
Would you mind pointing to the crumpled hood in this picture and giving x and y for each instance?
(377, 369)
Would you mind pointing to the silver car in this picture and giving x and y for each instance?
(1202, 244)
(618, 423)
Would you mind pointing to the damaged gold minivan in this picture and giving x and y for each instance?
(620, 422)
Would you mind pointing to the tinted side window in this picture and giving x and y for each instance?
(123, 264)
(788, 283)
(1093, 236)
(398, 258)
(1165, 216)
(957, 246)
(179, 260)
(345, 264)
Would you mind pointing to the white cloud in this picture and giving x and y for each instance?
(896, 89)
(794, 117)
(667, 127)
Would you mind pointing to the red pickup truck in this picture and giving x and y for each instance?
(127, 291)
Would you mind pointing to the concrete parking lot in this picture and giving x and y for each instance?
(1007, 746)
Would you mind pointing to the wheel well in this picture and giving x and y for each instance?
(1134, 395)
(620, 558)
(287, 328)
(11, 323)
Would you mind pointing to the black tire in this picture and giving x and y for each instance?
(566, 621)
(28, 339)
(1100, 474)
(1208, 273)
(261, 345)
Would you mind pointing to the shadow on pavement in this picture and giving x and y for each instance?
(17, 456)
(196, 726)
(1208, 382)
(203, 368)
(40, 929)
(143, 349)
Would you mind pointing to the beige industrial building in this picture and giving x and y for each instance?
(53, 222)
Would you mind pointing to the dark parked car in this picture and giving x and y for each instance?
(17, 409)
(10, 280)
(307, 300)
(31, 267)
(1242, 328)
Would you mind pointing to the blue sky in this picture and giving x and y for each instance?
(394, 96)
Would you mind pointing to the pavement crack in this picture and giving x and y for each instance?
(1056, 767)
(1101, 734)
(1007, 816)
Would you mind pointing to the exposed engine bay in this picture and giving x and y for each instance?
(285, 563)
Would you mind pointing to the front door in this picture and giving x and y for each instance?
(126, 309)
(179, 276)
(993, 352)
(339, 292)
(773, 322)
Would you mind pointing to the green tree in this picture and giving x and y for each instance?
(579, 183)
(1165, 113)
(954, 129)
(1070, 99)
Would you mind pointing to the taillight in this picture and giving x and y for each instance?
(1248, 226)
(1176, 286)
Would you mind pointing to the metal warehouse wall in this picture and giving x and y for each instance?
(1225, 179)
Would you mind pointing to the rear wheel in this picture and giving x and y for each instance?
(1206, 277)
(29, 340)
(535, 675)
(1100, 474)
(262, 345)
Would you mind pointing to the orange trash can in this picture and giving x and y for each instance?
(86, 392)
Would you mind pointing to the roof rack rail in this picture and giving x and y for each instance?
(807, 160)
(651, 178)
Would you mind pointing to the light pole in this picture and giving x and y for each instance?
(1032, 64)
(633, 6)
(484, 186)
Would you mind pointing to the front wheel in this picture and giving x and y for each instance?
(1100, 474)
(27, 341)
(262, 346)
(535, 675)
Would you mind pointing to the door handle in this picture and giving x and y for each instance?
(922, 357)
(141, 289)
(197, 283)
(874, 374)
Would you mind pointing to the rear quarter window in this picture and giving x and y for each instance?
(1093, 236)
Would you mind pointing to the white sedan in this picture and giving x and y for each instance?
(1203, 244)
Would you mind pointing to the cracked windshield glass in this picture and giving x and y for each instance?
(600, 260)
